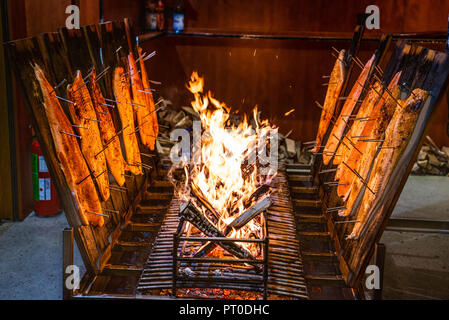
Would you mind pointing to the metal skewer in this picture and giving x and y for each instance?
(85, 82)
(81, 127)
(359, 176)
(327, 171)
(349, 221)
(100, 174)
(98, 214)
(335, 209)
(71, 134)
(61, 98)
(60, 84)
(84, 179)
(94, 120)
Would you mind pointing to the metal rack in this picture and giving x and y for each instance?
(257, 280)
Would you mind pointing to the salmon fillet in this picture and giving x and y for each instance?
(84, 116)
(333, 92)
(373, 130)
(149, 102)
(397, 137)
(362, 118)
(109, 138)
(144, 119)
(348, 107)
(123, 97)
(70, 158)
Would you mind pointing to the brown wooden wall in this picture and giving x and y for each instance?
(277, 75)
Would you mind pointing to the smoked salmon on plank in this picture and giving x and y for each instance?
(350, 185)
(333, 92)
(139, 100)
(84, 116)
(348, 107)
(362, 118)
(149, 102)
(366, 144)
(123, 97)
(110, 140)
(397, 137)
(69, 154)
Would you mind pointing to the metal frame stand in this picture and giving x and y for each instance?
(179, 237)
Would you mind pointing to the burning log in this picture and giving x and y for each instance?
(189, 212)
(237, 223)
(261, 205)
(259, 192)
(200, 196)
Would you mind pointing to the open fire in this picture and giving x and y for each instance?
(222, 180)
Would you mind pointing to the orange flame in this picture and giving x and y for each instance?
(225, 148)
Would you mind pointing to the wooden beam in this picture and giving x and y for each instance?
(67, 260)
(122, 270)
(331, 281)
(319, 256)
(137, 227)
(379, 261)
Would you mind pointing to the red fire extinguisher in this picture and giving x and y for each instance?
(46, 202)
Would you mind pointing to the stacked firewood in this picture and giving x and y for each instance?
(432, 160)
(291, 151)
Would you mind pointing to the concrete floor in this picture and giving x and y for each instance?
(31, 258)
(417, 265)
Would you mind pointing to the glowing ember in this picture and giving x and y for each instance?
(227, 172)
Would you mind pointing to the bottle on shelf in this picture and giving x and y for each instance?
(160, 15)
(150, 16)
(178, 16)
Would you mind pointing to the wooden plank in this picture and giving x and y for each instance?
(134, 226)
(319, 256)
(379, 261)
(332, 281)
(121, 270)
(323, 236)
(67, 260)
